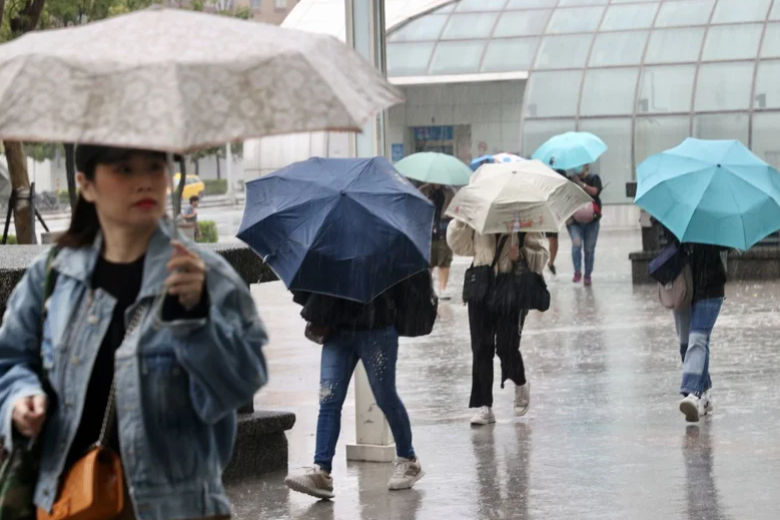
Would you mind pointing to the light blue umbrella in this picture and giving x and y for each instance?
(479, 161)
(711, 192)
(434, 168)
(570, 150)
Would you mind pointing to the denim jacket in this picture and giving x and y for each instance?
(179, 383)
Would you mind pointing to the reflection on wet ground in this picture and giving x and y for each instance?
(603, 439)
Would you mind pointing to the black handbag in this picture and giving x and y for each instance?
(479, 280)
(419, 306)
(513, 292)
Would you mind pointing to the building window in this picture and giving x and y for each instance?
(280, 4)
(257, 4)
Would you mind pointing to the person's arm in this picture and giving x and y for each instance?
(535, 252)
(596, 189)
(460, 238)
(20, 352)
(222, 351)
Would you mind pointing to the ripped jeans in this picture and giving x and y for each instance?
(378, 350)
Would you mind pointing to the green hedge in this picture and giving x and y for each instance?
(208, 232)
(64, 197)
(215, 187)
(11, 240)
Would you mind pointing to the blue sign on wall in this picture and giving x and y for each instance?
(396, 152)
(434, 133)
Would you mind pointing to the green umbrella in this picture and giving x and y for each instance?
(434, 168)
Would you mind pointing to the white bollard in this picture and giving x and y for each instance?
(374, 440)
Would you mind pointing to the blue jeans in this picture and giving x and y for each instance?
(694, 328)
(379, 352)
(584, 236)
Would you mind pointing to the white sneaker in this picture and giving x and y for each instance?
(706, 406)
(484, 417)
(522, 399)
(407, 473)
(311, 481)
(690, 407)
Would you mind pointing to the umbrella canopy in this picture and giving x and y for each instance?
(177, 81)
(525, 196)
(711, 192)
(570, 150)
(434, 168)
(349, 228)
(508, 158)
(479, 161)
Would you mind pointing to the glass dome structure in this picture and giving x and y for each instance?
(642, 74)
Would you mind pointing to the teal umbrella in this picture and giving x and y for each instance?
(711, 192)
(434, 168)
(570, 150)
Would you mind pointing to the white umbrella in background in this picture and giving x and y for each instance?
(514, 197)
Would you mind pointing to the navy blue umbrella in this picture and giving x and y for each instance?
(350, 228)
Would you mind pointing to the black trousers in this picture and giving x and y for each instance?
(493, 334)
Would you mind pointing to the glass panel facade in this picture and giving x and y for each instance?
(724, 86)
(465, 26)
(629, 16)
(609, 92)
(681, 13)
(721, 126)
(421, 29)
(732, 42)
(516, 54)
(575, 20)
(656, 134)
(771, 45)
(522, 23)
(571, 3)
(457, 57)
(479, 5)
(535, 133)
(408, 59)
(732, 11)
(666, 89)
(618, 48)
(765, 142)
(530, 4)
(675, 45)
(564, 52)
(768, 86)
(614, 167)
(553, 94)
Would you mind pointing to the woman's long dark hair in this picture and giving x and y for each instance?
(84, 223)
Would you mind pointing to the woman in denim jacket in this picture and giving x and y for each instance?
(194, 358)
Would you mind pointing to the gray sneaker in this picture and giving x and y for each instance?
(407, 473)
(522, 399)
(311, 481)
(691, 408)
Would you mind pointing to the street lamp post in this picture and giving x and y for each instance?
(366, 34)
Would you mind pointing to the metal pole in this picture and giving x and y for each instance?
(229, 172)
(366, 34)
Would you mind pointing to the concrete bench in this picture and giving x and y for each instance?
(261, 443)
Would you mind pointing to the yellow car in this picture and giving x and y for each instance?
(193, 186)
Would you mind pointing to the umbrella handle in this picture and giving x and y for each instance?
(176, 192)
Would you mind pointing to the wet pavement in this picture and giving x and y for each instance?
(603, 439)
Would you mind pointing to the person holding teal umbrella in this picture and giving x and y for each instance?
(570, 150)
(710, 196)
(585, 225)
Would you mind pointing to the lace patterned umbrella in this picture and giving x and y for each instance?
(178, 81)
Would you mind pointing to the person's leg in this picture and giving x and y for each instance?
(576, 234)
(482, 328)
(682, 322)
(696, 377)
(338, 363)
(590, 238)
(444, 278)
(379, 353)
(508, 348)
(553, 240)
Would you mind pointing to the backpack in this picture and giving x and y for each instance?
(417, 306)
(677, 294)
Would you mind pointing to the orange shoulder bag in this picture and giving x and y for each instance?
(93, 488)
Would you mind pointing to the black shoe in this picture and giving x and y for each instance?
(553, 270)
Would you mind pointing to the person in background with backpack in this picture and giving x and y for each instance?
(585, 225)
(441, 254)
(695, 323)
(493, 331)
(119, 305)
(349, 332)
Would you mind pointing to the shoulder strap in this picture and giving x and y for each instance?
(49, 280)
(499, 248)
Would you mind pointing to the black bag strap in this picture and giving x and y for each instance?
(499, 248)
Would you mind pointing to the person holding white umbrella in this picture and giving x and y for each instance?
(499, 221)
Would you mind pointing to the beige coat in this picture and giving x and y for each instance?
(464, 241)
